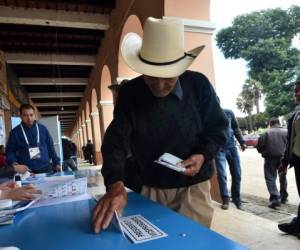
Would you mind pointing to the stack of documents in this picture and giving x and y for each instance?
(7, 215)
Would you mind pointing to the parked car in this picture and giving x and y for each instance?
(251, 140)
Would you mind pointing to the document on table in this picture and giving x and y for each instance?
(61, 200)
(7, 215)
(57, 192)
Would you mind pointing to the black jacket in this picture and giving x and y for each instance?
(151, 126)
(273, 142)
(287, 159)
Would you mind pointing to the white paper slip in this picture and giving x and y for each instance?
(115, 221)
(139, 230)
(170, 161)
(62, 200)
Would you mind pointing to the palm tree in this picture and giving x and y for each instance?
(253, 88)
(248, 98)
(245, 105)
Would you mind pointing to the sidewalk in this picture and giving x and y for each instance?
(252, 231)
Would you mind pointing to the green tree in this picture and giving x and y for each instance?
(242, 123)
(252, 89)
(264, 40)
(260, 120)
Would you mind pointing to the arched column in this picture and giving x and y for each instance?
(78, 144)
(106, 108)
(84, 134)
(105, 105)
(97, 139)
(81, 141)
(89, 129)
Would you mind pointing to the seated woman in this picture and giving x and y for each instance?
(7, 171)
(3, 161)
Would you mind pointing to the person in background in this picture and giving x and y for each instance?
(83, 148)
(89, 148)
(271, 145)
(292, 158)
(74, 153)
(166, 109)
(67, 154)
(228, 153)
(8, 171)
(30, 146)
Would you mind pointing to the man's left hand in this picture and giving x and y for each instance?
(193, 164)
(57, 168)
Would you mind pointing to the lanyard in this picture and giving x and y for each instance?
(38, 134)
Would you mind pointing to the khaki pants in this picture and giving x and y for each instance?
(193, 201)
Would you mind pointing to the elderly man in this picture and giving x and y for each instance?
(30, 146)
(167, 109)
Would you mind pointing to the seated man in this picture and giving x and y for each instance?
(30, 145)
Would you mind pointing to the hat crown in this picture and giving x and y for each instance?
(163, 40)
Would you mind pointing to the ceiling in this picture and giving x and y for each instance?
(51, 46)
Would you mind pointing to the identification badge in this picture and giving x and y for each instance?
(34, 153)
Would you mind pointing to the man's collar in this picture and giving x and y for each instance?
(24, 125)
(178, 90)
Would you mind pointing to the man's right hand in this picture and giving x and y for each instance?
(114, 199)
(20, 168)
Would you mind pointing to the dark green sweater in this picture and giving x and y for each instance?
(150, 126)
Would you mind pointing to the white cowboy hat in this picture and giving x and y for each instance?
(161, 51)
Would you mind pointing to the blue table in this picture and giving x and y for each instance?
(68, 227)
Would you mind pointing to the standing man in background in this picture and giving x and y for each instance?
(271, 145)
(228, 153)
(68, 152)
(292, 158)
(89, 147)
(30, 146)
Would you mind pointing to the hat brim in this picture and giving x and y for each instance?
(130, 50)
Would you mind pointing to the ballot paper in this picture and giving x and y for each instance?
(138, 229)
(60, 190)
(115, 222)
(170, 161)
(63, 189)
